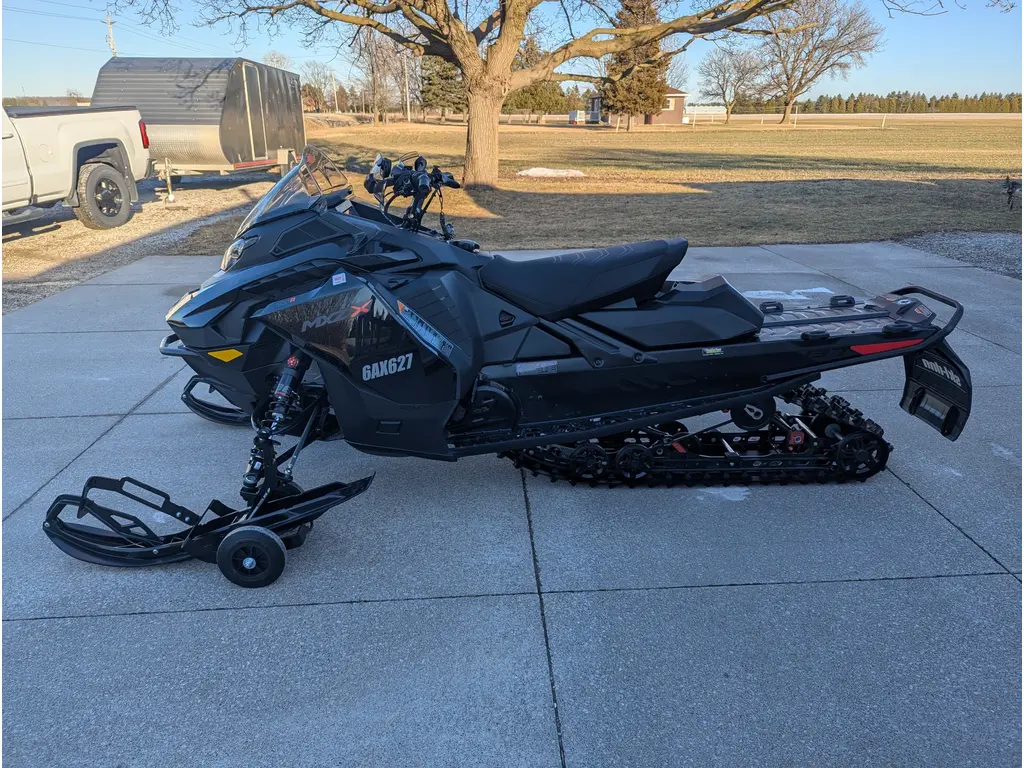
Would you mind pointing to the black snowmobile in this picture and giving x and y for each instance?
(332, 318)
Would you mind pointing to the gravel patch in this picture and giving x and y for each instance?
(995, 251)
(52, 254)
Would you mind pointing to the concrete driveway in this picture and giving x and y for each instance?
(463, 615)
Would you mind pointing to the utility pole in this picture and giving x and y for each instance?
(405, 73)
(110, 36)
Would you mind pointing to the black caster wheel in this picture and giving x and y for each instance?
(251, 556)
(861, 455)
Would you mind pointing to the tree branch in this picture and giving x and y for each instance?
(435, 44)
(725, 15)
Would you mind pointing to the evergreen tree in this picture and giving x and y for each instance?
(643, 91)
(539, 98)
(441, 86)
(574, 99)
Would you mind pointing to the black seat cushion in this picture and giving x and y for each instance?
(571, 282)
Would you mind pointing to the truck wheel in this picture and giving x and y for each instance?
(103, 198)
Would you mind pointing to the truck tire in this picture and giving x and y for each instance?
(103, 197)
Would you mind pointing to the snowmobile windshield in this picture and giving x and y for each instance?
(316, 175)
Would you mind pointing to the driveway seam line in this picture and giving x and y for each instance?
(386, 600)
(543, 621)
(941, 514)
(742, 584)
(99, 437)
(94, 415)
(65, 333)
(793, 261)
(962, 265)
(219, 608)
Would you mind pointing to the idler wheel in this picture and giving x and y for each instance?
(861, 455)
(634, 462)
(588, 461)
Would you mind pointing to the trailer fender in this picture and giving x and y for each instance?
(108, 151)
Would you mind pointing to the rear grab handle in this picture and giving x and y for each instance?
(958, 308)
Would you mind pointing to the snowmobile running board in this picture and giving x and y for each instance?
(126, 540)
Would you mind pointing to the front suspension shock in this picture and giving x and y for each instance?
(284, 397)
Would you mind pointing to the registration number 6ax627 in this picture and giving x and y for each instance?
(387, 367)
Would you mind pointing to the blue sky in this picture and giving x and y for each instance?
(967, 51)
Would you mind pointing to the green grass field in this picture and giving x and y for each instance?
(842, 179)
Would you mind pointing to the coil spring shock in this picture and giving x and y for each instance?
(283, 397)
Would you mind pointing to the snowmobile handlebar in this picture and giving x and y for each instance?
(415, 182)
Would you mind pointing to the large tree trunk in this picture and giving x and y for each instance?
(786, 112)
(629, 123)
(728, 113)
(482, 136)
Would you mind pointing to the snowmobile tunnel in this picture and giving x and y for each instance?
(207, 115)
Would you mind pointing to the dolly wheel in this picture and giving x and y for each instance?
(251, 556)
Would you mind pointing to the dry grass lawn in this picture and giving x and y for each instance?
(714, 184)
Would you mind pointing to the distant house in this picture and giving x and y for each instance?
(671, 112)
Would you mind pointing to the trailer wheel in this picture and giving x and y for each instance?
(103, 198)
(251, 556)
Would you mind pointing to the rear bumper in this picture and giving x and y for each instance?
(938, 389)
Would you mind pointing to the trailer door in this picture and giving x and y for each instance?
(254, 106)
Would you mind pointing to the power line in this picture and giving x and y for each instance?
(45, 13)
(51, 45)
(157, 38)
(210, 48)
(130, 28)
(134, 26)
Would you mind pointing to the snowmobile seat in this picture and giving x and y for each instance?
(708, 312)
(564, 283)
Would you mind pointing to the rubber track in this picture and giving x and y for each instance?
(807, 467)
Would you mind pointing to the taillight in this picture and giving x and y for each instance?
(145, 136)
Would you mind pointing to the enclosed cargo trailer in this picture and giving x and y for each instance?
(209, 115)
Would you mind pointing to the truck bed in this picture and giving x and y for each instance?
(23, 112)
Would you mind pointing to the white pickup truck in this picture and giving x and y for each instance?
(88, 157)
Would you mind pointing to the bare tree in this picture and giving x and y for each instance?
(831, 38)
(678, 72)
(277, 59)
(730, 75)
(374, 56)
(322, 80)
(482, 39)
